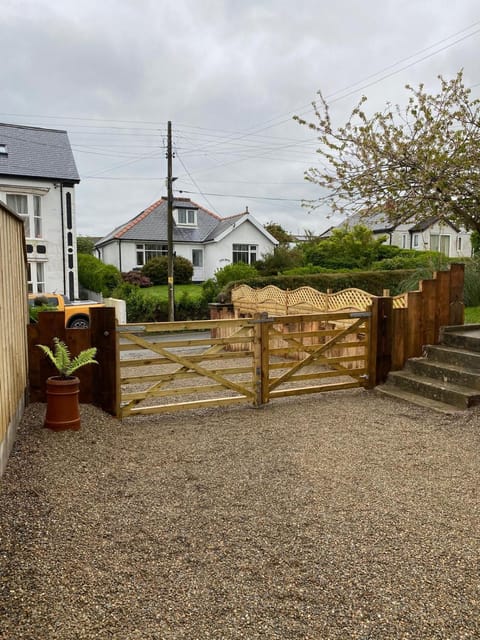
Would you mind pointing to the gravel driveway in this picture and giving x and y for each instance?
(345, 515)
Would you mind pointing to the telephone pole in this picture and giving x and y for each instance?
(171, 292)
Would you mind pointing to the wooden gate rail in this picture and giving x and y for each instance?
(245, 360)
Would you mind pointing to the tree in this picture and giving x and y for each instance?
(346, 248)
(85, 245)
(278, 232)
(414, 162)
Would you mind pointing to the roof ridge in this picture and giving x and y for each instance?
(28, 126)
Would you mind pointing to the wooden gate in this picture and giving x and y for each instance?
(182, 365)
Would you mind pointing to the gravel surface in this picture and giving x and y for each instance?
(345, 515)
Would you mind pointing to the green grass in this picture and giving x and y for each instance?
(472, 315)
(161, 291)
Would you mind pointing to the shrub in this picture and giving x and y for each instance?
(232, 272)
(411, 259)
(93, 274)
(472, 282)
(137, 277)
(279, 260)
(157, 270)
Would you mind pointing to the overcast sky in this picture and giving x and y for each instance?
(229, 74)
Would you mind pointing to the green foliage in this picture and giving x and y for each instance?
(371, 281)
(416, 161)
(157, 270)
(85, 245)
(278, 232)
(94, 275)
(279, 260)
(472, 282)
(424, 270)
(210, 290)
(347, 248)
(411, 259)
(145, 308)
(475, 240)
(232, 272)
(472, 315)
(62, 360)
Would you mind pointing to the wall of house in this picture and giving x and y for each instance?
(459, 243)
(56, 247)
(219, 254)
(13, 337)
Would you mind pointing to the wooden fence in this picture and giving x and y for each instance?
(231, 360)
(98, 383)
(13, 321)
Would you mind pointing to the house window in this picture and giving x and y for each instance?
(197, 257)
(404, 241)
(3, 150)
(29, 208)
(187, 217)
(36, 277)
(440, 243)
(146, 252)
(459, 243)
(415, 240)
(244, 253)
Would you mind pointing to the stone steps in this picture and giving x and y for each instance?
(447, 378)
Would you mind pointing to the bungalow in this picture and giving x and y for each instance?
(432, 234)
(207, 240)
(37, 180)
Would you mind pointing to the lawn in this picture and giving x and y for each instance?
(472, 315)
(194, 291)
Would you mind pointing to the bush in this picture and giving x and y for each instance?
(137, 277)
(93, 274)
(142, 308)
(279, 260)
(411, 259)
(157, 270)
(232, 272)
(472, 282)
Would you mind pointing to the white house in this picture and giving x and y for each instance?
(37, 180)
(432, 234)
(208, 241)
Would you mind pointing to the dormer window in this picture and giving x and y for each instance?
(187, 217)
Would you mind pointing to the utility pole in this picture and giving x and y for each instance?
(171, 292)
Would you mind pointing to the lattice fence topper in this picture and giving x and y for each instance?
(277, 301)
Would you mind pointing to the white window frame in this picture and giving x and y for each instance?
(416, 238)
(246, 253)
(145, 251)
(443, 240)
(197, 257)
(187, 217)
(36, 277)
(404, 241)
(30, 211)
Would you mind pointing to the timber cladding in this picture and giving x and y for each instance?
(13, 320)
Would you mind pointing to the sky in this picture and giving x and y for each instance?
(229, 75)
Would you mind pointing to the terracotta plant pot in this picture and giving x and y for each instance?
(63, 410)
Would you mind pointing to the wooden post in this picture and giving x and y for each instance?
(442, 314)
(106, 388)
(381, 337)
(456, 302)
(428, 289)
(261, 374)
(414, 344)
(399, 342)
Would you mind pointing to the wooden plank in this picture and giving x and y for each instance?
(338, 386)
(399, 343)
(197, 404)
(456, 299)
(179, 326)
(200, 342)
(414, 341)
(442, 311)
(105, 376)
(143, 362)
(164, 393)
(428, 290)
(180, 375)
(185, 362)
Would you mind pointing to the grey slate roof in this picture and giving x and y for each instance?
(377, 223)
(37, 153)
(151, 224)
(223, 225)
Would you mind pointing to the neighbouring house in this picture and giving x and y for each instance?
(37, 180)
(432, 234)
(207, 240)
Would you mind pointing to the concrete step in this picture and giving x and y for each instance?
(454, 356)
(405, 396)
(445, 372)
(445, 392)
(462, 337)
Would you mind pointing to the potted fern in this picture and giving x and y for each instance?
(63, 410)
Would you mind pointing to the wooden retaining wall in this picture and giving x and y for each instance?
(98, 383)
(13, 336)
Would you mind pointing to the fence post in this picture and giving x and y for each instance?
(106, 375)
(380, 345)
(261, 325)
(457, 306)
